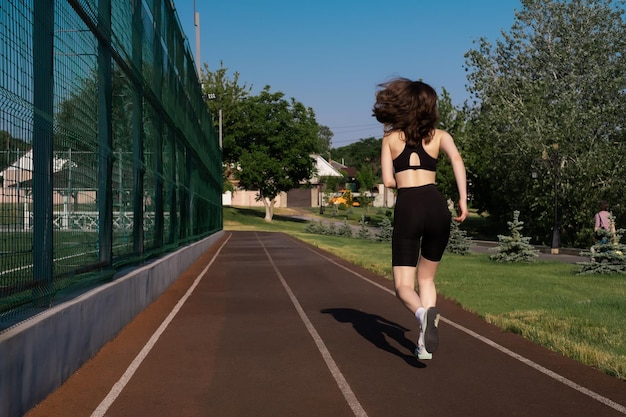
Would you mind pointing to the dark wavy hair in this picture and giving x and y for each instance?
(407, 106)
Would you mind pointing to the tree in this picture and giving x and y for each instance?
(225, 94)
(558, 78)
(274, 140)
(607, 254)
(361, 152)
(367, 180)
(453, 121)
(515, 247)
(325, 138)
(330, 185)
(12, 149)
(459, 243)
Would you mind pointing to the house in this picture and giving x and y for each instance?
(16, 179)
(309, 195)
(350, 172)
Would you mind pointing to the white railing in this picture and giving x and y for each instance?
(88, 220)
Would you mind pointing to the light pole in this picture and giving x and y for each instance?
(555, 160)
(196, 23)
(213, 96)
(556, 237)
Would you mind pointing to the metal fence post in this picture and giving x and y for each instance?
(105, 137)
(43, 96)
(138, 133)
(158, 130)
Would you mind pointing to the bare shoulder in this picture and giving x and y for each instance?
(392, 135)
(444, 140)
(393, 140)
(446, 144)
(442, 135)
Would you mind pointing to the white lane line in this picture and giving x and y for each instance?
(341, 381)
(526, 361)
(534, 365)
(119, 386)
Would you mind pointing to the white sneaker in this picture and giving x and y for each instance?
(430, 328)
(422, 353)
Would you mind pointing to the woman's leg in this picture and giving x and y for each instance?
(404, 282)
(426, 282)
(429, 335)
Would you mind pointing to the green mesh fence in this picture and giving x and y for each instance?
(107, 152)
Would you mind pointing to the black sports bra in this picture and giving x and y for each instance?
(402, 161)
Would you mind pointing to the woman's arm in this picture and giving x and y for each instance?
(386, 163)
(458, 167)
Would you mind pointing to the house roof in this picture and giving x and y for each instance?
(324, 169)
(25, 163)
(351, 171)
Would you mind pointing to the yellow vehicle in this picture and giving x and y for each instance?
(344, 197)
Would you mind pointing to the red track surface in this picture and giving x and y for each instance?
(275, 327)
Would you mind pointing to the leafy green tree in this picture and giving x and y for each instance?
(11, 149)
(224, 93)
(274, 140)
(330, 185)
(365, 151)
(555, 81)
(367, 180)
(453, 121)
(325, 137)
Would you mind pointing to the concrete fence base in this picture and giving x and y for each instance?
(39, 354)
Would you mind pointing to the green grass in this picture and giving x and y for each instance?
(582, 317)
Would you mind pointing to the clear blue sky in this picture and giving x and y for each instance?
(331, 54)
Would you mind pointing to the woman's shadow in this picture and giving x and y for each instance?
(376, 329)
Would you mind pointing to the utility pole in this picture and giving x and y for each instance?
(196, 23)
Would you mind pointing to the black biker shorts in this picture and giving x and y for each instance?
(421, 218)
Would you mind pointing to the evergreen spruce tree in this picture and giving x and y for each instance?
(364, 231)
(606, 255)
(315, 227)
(516, 247)
(344, 230)
(459, 242)
(386, 230)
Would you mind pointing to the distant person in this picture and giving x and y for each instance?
(603, 221)
(410, 149)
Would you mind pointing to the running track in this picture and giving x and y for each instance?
(264, 325)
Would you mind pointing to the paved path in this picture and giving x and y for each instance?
(264, 325)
